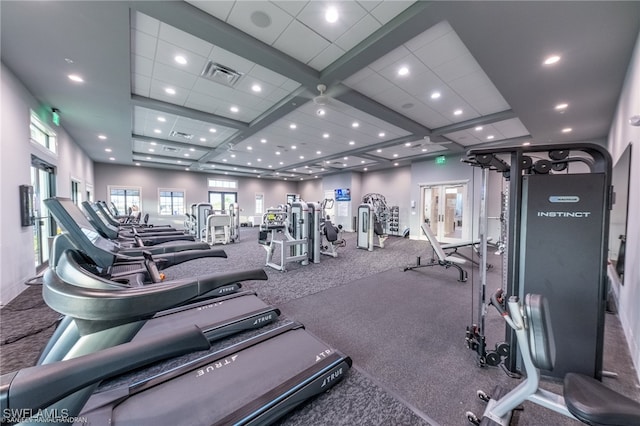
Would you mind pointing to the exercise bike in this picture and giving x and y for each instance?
(584, 398)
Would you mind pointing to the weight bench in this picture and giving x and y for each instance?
(439, 257)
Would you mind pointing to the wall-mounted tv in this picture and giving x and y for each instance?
(342, 194)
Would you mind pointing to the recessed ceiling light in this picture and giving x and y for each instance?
(270, 166)
(158, 131)
(457, 112)
(478, 128)
(355, 124)
(103, 137)
(249, 148)
(203, 140)
(233, 156)
(395, 155)
(256, 88)
(277, 152)
(281, 163)
(187, 154)
(112, 158)
(318, 152)
(321, 112)
(179, 161)
(331, 15)
(567, 130)
(526, 144)
(551, 60)
(490, 137)
(234, 109)
(148, 158)
(248, 163)
(192, 149)
(137, 164)
(365, 169)
(213, 166)
(152, 150)
(345, 158)
(162, 119)
(292, 126)
(407, 144)
(378, 150)
(362, 161)
(435, 95)
(395, 164)
(212, 130)
(154, 143)
(403, 71)
(293, 147)
(224, 160)
(263, 140)
(381, 134)
(186, 169)
(352, 143)
(561, 107)
(76, 78)
(107, 150)
(322, 169)
(325, 135)
(170, 91)
(302, 157)
(259, 160)
(424, 150)
(180, 59)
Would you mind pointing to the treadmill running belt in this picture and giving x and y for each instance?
(234, 386)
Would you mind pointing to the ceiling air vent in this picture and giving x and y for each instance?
(170, 149)
(181, 135)
(221, 74)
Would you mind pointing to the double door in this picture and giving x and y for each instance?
(444, 210)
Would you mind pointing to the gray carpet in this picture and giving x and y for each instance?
(404, 331)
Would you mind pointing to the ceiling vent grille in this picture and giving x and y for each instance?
(170, 149)
(221, 74)
(181, 135)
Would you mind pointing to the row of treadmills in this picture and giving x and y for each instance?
(120, 314)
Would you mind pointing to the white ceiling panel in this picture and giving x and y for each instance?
(177, 77)
(219, 8)
(167, 52)
(144, 44)
(186, 41)
(387, 10)
(141, 85)
(260, 19)
(358, 32)
(289, 42)
(142, 66)
(313, 16)
(145, 23)
(291, 7)
(326, 57)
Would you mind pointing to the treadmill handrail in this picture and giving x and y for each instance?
(74, 291)
(37, 387)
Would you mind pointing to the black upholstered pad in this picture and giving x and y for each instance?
(542, 345)
(593, 403)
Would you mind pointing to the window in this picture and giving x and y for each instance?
(217, 183)
(41, 134)
(43, 180)
(220, 201)
(125, 198)
(171, 202)
(259, 204)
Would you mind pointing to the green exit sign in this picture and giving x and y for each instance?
(441, 159)
(55, 117)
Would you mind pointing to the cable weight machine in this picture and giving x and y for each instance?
(559, 199)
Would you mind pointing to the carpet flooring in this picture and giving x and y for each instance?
(403, 330)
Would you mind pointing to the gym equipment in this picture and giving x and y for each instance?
(439, 257)
(584, 398)
(32, 389)
(75, 274)
(559, 202)
(102, 207)
(132, 236)
(330, 232)
(107, 254)
(372, 221)
(253, 382)
(293, 248)
(221, 227)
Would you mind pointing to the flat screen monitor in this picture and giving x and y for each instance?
(342, 194)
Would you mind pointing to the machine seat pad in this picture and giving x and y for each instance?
(541, 340)
(330, 231)
(594, 403)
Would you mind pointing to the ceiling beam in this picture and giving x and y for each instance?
(479, 121)
(141, 101)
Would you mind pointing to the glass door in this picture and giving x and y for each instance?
(444, 211)
(43, 182)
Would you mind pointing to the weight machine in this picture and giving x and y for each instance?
(329, 232)
(292, 226)
(559, 199)
(223, 227)
(373, 214)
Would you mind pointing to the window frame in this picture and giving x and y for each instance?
(172, 191)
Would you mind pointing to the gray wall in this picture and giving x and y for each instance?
(17, 259)
(194, 184)
(395, 185)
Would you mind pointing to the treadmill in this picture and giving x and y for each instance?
(99, 222)
(110, 255)
(255, 381)
(213, 309)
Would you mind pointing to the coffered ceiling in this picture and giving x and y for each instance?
(300, 89)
